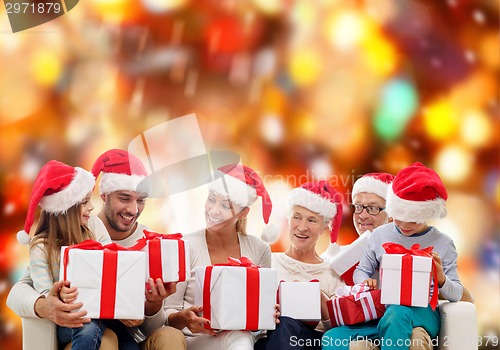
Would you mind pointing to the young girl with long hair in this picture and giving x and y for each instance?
(63, 193)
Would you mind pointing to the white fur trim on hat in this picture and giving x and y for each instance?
(236, 190)
(111, 182)
(82, 183)
(311, 201)
(369, 184)
(414, 211)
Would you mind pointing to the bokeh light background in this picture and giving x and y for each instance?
(300, 89)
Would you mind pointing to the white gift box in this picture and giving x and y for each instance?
(300, 300)
(350, 255)
(110, 283)
(236, 298)
(405, 286)
(167, 259)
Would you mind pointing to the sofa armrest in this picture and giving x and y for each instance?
(458, 326)
(39, 334)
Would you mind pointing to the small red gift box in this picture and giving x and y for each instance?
(356, 304)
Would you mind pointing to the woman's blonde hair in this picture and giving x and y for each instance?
(57, 230)
(241, 226)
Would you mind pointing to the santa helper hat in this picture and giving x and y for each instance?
(121, 171)
(417, 194)
(321, 198)
(242, 185)
(376, 183)
(57, 188)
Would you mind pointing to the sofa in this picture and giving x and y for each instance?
(458, 329)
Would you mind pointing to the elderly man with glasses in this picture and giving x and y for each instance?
(368, 201)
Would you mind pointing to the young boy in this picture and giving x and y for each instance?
(416, 196)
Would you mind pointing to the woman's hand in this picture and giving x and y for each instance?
(67, 293)
(189, 318)
(277, 313)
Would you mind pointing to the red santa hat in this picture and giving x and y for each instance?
(242, 185)
(376, 183)
(417, 194)
(121, 171)
(57, 188)
(321, 198)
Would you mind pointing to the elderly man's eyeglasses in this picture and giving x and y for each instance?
(358, 209)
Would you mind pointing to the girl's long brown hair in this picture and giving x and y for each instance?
(57, 230)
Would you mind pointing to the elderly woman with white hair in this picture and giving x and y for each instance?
(314, 207)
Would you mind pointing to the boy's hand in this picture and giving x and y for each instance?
(67, 293)
(371, 282)
(439, 268)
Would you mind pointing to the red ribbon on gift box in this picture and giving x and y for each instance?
(109, 272)
(407, 268)
(253, 285)
(154, 253)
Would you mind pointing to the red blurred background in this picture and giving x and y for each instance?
(299, 89)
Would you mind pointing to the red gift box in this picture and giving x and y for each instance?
(356, 304)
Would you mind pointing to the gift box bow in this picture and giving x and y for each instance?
(253, 284)
(243, 262)
(109, 271)
(150, 235)
(360, 290)
(90, 245)
(406, 269)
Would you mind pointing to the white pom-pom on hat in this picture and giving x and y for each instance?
(270, 233)
(23, 237)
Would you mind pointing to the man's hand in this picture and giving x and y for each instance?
(155, 293)
(189, 318)
(51, 308)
